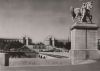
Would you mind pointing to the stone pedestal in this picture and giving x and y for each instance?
(4, 59)
(83, 42)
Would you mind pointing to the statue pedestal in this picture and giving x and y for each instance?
(83, 42)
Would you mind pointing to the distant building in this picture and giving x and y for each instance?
(59, 43)
(24, 40)
(11, 40)
(27, 41)
(49, 41)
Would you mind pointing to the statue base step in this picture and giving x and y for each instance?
(78, 56)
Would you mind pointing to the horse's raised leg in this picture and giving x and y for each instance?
(90, 18)
(81, 19)
(73, 19)
(83, 15)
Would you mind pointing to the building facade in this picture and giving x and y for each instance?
(59, 43)
(24, 40)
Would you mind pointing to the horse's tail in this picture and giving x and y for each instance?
(72, 12)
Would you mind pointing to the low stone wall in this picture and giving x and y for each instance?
(38, 61)
(4, 59)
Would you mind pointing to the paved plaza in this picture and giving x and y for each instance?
(95, 66)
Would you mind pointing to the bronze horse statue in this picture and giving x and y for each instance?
(82, 14)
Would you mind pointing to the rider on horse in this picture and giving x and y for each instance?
(83, 13)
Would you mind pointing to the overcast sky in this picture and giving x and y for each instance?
(39, 18)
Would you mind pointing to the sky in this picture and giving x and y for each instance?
(40, 18)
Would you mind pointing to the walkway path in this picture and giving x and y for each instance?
(84, 67)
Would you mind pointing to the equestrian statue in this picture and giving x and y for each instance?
(82, 14)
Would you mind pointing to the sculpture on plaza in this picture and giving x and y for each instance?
(82, 14)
